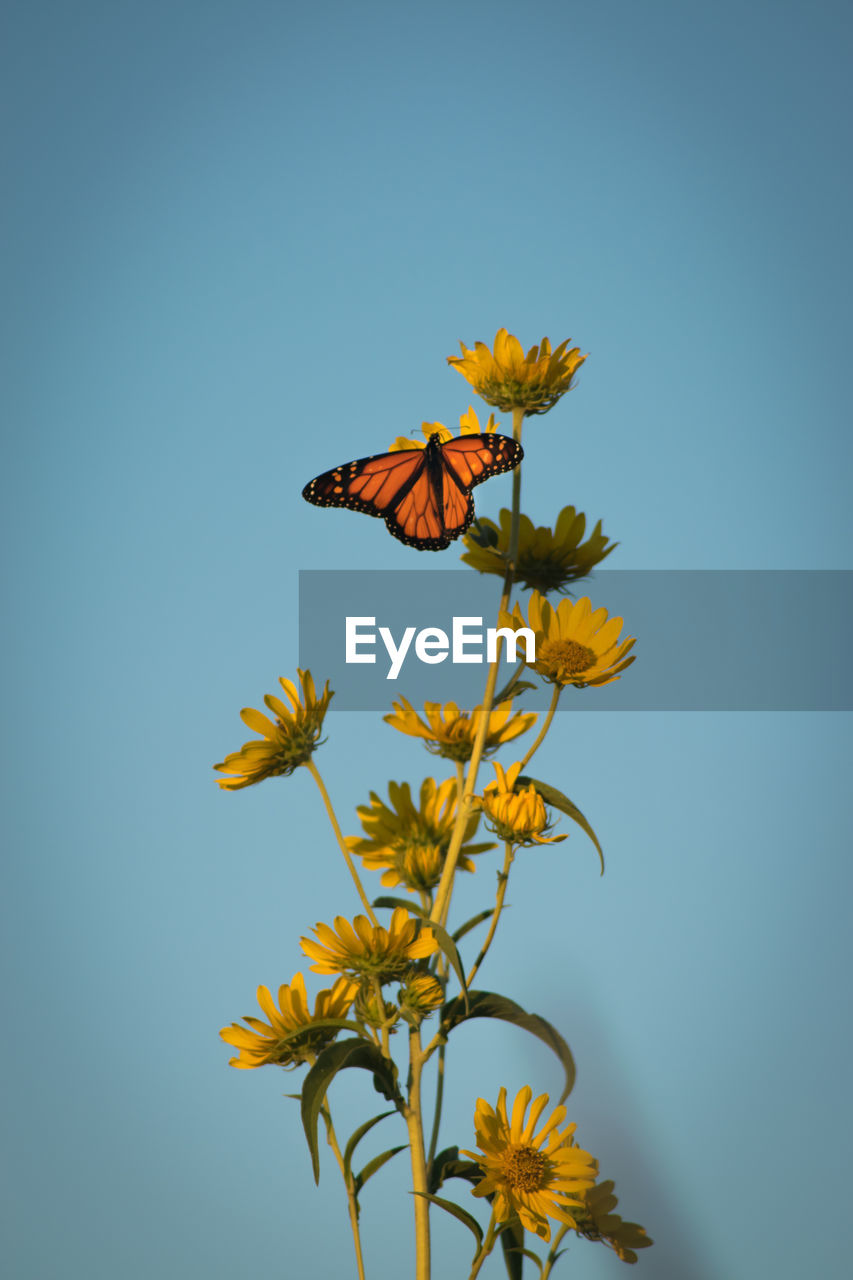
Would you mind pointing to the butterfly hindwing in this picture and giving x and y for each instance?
(423, 495)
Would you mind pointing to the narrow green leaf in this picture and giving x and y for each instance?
(340, 1024)
(458, 1212)
(472, 924)
(534, 1257)
(448, 1165)
(412, 907)
(512, 689)
(376, 1163)
(357, 1136)
(450, 949)
(486, 1004)
(512, 1243)
(558, 801)
(345, 1053)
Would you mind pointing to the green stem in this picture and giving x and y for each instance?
(503, 877)
(486, 1249)
(552, 1254)
(315, 774)
(546, 725)
(439, 1099)
(380, 1013)
(414, 1123)
(352, 1201)
(441, 906)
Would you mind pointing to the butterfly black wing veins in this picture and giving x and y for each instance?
(429, 467)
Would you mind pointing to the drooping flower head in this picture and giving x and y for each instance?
(361, 948)
(287, 742)
(469, 425)
(409, 842)
(538, 1176)
(517, 814)
(574, 645)
(450, 733)
(599, 1222)
(548, 560)
(290, 1037)
(508, 379)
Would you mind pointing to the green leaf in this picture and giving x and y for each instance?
(487, 1004)
(558, 801)
(472, 923)
(448, 1165)
(376, 1163)
(512, 689)
(340, 1024)
(450, 949)
(411, 907)
(512, 1243)
(345, 1053)
(357, 1137)
(458, 1212)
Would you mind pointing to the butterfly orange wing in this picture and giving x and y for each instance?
(423, 495)
(468, 461)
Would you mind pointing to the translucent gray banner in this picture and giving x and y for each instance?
(707, 640)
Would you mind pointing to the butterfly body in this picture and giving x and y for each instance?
(423, 495)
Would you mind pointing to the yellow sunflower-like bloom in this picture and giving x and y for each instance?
(538, 1177)
(548, 560)
(518, 816)
(573, 644)
(362, 948)
(286, 743)
(410, 842)
(450, 733)
(599, 1222)
(508, 379)
(469, 425)
(290, 1037)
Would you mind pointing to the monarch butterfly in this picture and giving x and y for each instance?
(423, 495)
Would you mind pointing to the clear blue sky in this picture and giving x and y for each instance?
(239, 242)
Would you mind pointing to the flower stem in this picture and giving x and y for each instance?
(441, 906)
(486, 1248)
(414, 1124)
(546, 725)
(315, 774)
(552, 1253)
(439, 1099)
(348, 1183)
(503, 877)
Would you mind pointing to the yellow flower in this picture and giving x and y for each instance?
(286, 743)
(573, 644)
(362, 948)
(469, 425)
(509, 379)
(547, 560)
(517, 816)
(538, 1177)
(411, 841)
(421, 995)
(599, 1222)
(269, 1043)
(450, 732)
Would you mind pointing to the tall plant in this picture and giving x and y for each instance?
(401, 965)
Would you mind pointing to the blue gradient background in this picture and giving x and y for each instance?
(239, 241)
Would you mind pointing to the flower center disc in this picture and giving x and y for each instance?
(524, 1168)
(565, 658)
